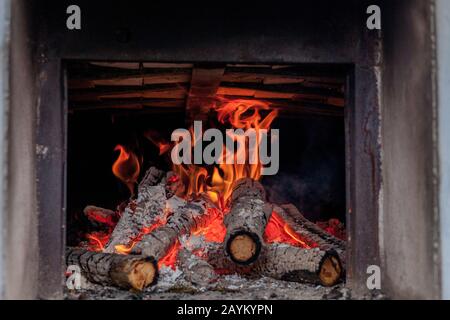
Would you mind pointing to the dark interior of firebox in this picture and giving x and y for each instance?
(112, 103)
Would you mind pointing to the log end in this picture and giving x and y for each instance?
(142, 273)
(330, 270)
(243, 247)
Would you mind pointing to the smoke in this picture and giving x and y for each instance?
(312, 168)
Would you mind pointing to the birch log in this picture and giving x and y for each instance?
(286, 262)
(246, 221)
(141, 212)
(310, 230)
(196, 270)
(127, 272)
(185, 219)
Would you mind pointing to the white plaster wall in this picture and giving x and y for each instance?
(443, 79)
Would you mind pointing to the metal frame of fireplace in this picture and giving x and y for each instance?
(129, 43)
(325, 33)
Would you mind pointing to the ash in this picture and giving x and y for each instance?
(173, 286)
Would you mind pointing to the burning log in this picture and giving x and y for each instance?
(157, 243)
(310, 230)
(213, 253)
(100, 216)
(221, 263)
(283, 262)
(128, 272)
(286, 262)
(246, 221)
(197, 270)
(142, 212)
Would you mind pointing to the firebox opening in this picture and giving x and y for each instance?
(130, 109)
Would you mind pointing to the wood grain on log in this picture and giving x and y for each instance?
(246, 221)
(128, 272)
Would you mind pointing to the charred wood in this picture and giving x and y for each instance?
(141, 212)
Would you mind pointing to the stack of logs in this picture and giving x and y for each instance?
(244, 250)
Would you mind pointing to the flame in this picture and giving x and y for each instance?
(214, 181)
(163, 147)
(126, 168)
(126, 248)
(155, 137)
(277, 230)
(236, 112)
(218, 182)
(168, 260)
(97, 240)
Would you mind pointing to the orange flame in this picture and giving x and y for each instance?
(215, 181)
(126, 248)
(126, 168)
(163, 147)
(277, 230)
(97, 240)
(218, 182)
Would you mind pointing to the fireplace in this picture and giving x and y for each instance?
(325, 96)
(356, 110)
(120, 163)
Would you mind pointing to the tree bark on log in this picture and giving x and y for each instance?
(310, 230)
(246, 221)
(141, 212)
(185, 219)
(124, 271)
(214, 254)
(286, 262)
(196, 270)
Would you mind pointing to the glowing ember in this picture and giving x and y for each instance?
(215, 181)
(126, 168)
(97, 240)
(98, 216)
(333, 227)
(170, 259)
(277, 230)
(215, 230)
(126, 249)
